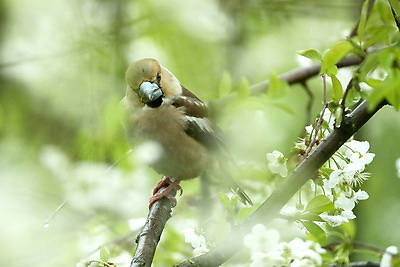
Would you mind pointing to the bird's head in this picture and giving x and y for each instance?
(152, 82)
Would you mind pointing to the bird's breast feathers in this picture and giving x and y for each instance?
(182, 156)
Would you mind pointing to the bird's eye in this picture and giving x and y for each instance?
(158, 78)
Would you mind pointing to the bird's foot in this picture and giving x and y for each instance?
(165, 193)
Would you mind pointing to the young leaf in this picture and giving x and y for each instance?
(275, 86)
(338, 116)
(225, 86)
(395, 4)
(337, 89)
(319, 204)
(224, 199)
(309, 216)
(388, 89)
(316, 232)
(104, 256)
(370, 63)
(332, 70)
(244, 88)
(336, 53)
(373, 82)
(363, 21)
(285, 107)
(311, 54)
(385, 12)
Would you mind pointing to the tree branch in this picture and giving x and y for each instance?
(359, 264)
(147, 240)
(299, 75)
(270, 208)
(302, 74)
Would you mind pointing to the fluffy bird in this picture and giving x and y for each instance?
(159, 110)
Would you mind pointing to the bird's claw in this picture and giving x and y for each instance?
(159, 195)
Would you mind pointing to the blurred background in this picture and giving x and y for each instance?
(62, 66)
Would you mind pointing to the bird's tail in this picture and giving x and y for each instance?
(232, 184)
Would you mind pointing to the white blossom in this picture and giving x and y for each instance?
(345, 203)
(360, 195)
(277, 163)
(196, 240)
(333, 220)
(398, 167)
(261, 239)
(266, 251)
(390, 252)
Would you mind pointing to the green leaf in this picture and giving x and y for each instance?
(244, 88)
(309, 216)
(386, 58)
(229, 203)
(284, 106)
(311, 54)
(333, 55)
(337, 89)
(245, 212)
(319, 204)
(338, 116)
(225, 86)
(395, 6)
(224, 199)
(385, 12)
(363, 21)
(104, 256)
(395, 261)
(373, 82)
(393, 96)
(349, 228)
(370, 63)
(389, 89)
(377, 33)
(316, 232)
(275, 86)
(353, 96)
(332, 71)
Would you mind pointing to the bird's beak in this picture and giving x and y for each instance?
(149, 92)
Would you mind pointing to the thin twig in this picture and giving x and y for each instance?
(309, 102)
(358, 264)
(314, 134)
(299, 75)
(357, 244)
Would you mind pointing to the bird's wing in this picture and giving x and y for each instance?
(204, 131)
(199, 126)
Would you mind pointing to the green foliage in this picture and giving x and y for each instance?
(337, 89)
(104, 254)
(65, 95)
(312, 54)
(333, 55)
(316, 232)
(319, 204)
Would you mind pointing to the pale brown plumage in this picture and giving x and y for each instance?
(160, 110)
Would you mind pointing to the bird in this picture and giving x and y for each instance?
(158, 109)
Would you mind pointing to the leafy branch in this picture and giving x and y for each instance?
(270, 208)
